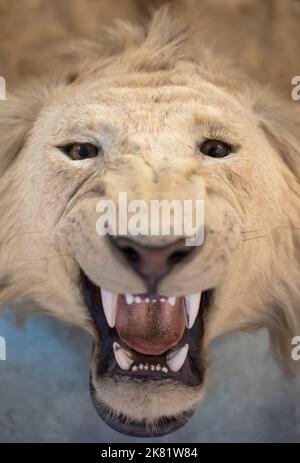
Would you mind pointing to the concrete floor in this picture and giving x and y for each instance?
(44, 391)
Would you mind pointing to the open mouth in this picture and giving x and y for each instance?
(146, 338)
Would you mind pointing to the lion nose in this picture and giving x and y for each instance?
(152, 263)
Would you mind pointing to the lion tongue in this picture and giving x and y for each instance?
(152, 327)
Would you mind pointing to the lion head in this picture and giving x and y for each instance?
(157, 118)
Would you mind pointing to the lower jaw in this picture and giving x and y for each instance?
(190, 377)
(144, 407)
(140, 428)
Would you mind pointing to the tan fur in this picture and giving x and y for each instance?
(153, 92)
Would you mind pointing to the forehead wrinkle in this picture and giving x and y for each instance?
(125, 94)
(146, 121)
(208, 121)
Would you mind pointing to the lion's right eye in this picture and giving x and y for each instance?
(80, 151)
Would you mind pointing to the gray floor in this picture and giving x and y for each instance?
(44, 391)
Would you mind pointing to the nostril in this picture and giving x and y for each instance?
(130, 254)
(177, 257)
(151, 263)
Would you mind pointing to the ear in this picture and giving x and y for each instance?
(280, 123)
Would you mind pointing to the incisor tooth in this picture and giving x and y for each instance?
(123, 357)
(177, 358)
(171, 300)
(129, 299)
(109, 303)
(192, 303)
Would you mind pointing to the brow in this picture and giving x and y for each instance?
(209, 123)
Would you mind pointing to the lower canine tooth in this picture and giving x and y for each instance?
(109, 303)
(192, 307)
(123, 357)
(176, 359)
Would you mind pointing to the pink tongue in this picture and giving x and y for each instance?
(150, 328)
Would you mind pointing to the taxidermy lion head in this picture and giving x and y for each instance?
(150, 112)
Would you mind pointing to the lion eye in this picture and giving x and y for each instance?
(80, 151)
(215, 148)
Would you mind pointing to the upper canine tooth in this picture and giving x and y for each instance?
(176, 359)
(109, 302)
(123, 356)
(129, 299)
(171, 300)
(192, 303)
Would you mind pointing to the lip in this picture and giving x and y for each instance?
(165, 425)
(192, 372)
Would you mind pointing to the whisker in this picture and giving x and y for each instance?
(48, 257)
(271, 229)
(255, 237)
(18, 235)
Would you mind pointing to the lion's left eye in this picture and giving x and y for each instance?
(80, 151)
(215, 148)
